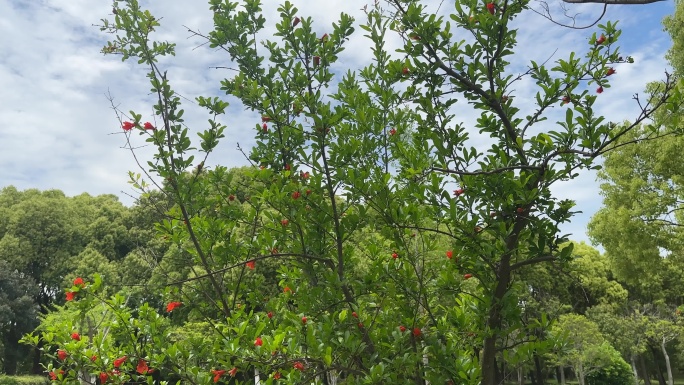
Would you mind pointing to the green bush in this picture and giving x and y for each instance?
(23, 380)
(618, 372)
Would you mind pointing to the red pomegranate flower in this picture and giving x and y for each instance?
(70, 295)
(142, 367)
(148, 126)
(217, 374)
(251, 264)
(299, 366)
(232, 372)
(75, 336)
(450, 254)
(127, 126)
(258, 342)
(119, 361)
(62, 354)
(171, 306)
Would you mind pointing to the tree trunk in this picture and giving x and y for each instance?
(36, 368)
(644, 370)
(659, 371)
(634, 370)
(488, 363)
(580, 373)
(11, 352)
(670, 380)
(494, 320)
(497, 373)
(541, 378)
(562, 375)
(533, 378)
(521, 376)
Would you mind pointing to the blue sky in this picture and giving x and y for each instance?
(59, 131)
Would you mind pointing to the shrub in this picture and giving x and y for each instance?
(23, 380)
(618, 372)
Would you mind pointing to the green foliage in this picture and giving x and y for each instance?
(344, 252)
(616, 372)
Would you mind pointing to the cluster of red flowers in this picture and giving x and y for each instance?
(127, 126)
(220, 372)
(80, 284)
(53, 375)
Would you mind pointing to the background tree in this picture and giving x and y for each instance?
(18, 314)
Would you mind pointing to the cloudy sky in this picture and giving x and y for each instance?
(58, 130)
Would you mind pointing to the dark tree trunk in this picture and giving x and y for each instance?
(644, 370)
(494, 322)
(656, 359)
(499, 371)
(36, 368)
(11, 352)
(533, 378)
(538, 368)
